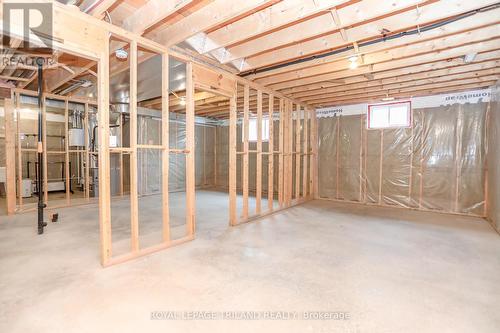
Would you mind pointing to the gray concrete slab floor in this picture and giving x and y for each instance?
(391, 270)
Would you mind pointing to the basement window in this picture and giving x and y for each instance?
(252, 130)
(389, 115)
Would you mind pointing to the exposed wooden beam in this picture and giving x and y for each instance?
(403, 51)
(479, 20)
(152, 13)
(14, 78)
(99, 7)
(360, 82)
(318, 28)
(381, 62)
(489, 75)
(60, 76)
(311, 38)
(14, 44)
(426, 67)
(269, 20)
(213, 14)
(406, 94)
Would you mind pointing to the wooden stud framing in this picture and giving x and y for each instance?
(258, 181)
(121, 156)
(134, 205)
(245, 128)
(362, 131)
(298, 155)
(10, 156)
(381, 166)
(286, 154)
(104, 158)
(165, 142)
(289, 141)
(281, 161)
(314, 155)
(337, 159)
(87, 152)
(232, 161)
(19, 153)
(305, 156)
(92, 41)
(292, 147)
(66, 153)
(44, 145)
(190, 156)
(270, 168)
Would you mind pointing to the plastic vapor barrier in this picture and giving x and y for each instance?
(149, 160)
(494, 159)
(436, 164)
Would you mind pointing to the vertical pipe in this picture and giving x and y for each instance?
(41, 204)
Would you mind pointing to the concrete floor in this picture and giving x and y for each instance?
(392, 270)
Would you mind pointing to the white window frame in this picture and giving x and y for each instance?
(252, 136)
(372, 107)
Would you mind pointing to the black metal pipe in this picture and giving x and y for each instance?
(41, 204)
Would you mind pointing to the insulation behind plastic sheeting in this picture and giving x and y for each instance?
(436, 164)
(327, 173)
(349, 158)
(494, 159)
(149, 160)
(222, 157)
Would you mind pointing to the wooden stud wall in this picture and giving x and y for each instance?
(20, 205)
(76, 41)
(291, 170)
(10, 156)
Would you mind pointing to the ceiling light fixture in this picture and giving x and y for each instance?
(121, 54)
(353, 62)
(468, 58)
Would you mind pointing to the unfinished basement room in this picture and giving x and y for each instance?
(250, 166)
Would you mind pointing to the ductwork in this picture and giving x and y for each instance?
(148, 82)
